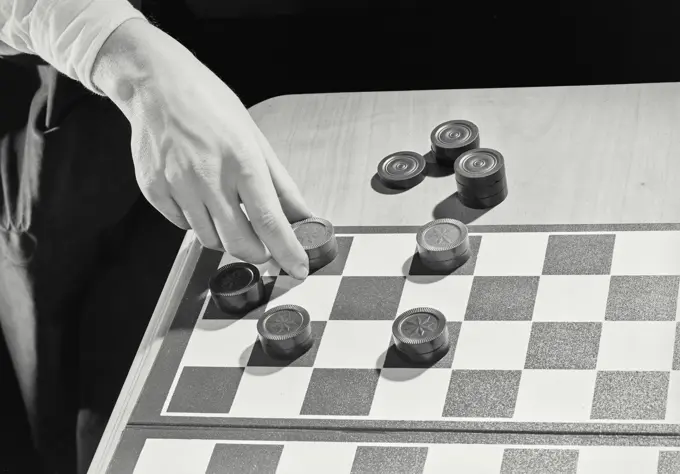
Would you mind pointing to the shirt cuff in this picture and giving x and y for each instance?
(68, 34)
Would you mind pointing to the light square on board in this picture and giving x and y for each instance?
(571, 298)
(448, 294)
(316, 458)
(511, 254)
(205, 390)
(392, 459)
(404, 394)
(173, 456)
(502, 298)
(555, 395)
(579, 254)
(563, 345)
(352, 391)
(464, 458)
(643, 298)
(245, 458)
(633, 345)
(673, 409)
(617, 459)
(271, 392)
(492, 345)
(221, 343)
(380, 255)
(367, 298)
(315, 294)
(647, 253)
(539, 461)
(630, 395)
(482, 394)
(357, 344)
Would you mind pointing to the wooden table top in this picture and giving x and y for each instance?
(574, 155)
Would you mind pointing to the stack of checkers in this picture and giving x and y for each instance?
(456, 144)
(443, 244)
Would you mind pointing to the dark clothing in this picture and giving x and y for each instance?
(98, 258)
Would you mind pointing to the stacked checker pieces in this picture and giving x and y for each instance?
(479, 172)
(420, 335)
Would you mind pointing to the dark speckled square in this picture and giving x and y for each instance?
(344, 392)
(539, 461)
(258, 358)
(676, 351)
(389, 459)
(244, 459)
(579, 255)
(393, 359)
(205, 390)
(558, 345)
(669, 462)
(642, 298)
(418, 268)
(482, 394)
(337, 266)
(630, 396)
(368, 298)
(213, 312)
(502, 298)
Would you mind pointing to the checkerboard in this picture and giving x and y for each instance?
(552, 329)
(220, 456)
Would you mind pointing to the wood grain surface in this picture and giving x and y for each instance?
(603, 154)
(574, 155)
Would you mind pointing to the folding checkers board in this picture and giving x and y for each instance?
(554, 331)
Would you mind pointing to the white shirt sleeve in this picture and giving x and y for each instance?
(65, 33)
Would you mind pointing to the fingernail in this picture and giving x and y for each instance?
(300, 272)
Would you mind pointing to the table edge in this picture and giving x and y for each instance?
(159, 324)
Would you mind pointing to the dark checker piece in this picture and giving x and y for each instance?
(421, 335)
(237, 288)
(443, 244)
(317, 237)
(403, 169)
(285, 332)
(450, 139)
(481, 178)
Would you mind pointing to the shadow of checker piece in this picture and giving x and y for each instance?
(420, 335)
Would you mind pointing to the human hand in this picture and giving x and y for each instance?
(197, 152)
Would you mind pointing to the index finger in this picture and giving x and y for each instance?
(270, 223)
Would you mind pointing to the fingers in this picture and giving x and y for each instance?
(235, 230)
(293, 204)
(269, 221)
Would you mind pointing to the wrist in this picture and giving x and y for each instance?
(126, 64)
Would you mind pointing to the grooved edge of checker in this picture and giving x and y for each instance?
(149, 406)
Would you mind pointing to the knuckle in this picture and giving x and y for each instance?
(268, 222)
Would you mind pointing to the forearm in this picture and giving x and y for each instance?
(67, 34)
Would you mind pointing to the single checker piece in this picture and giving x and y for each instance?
(317, 237)
(480, 178)
(421, 335)
(451, 139)
(443, 244)
(285, 332)
(237, 288)
(402, 170)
